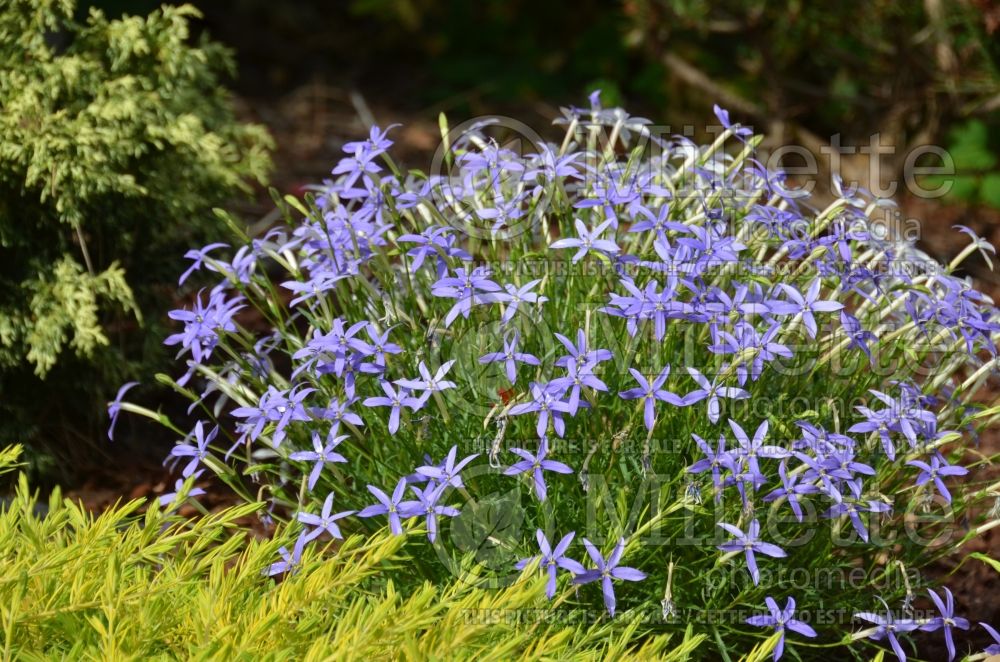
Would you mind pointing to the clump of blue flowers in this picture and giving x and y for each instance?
(731, 395)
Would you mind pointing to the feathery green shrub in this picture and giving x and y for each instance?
(128, 585)
(116, 138)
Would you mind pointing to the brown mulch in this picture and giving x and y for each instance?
(115, 486)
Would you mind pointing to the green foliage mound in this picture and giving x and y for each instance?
(116, 137)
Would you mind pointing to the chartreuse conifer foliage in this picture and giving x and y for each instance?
(128, 585)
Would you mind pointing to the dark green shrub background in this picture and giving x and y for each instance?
(116, 139)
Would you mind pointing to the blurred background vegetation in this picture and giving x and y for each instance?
(851, 68)
(921, 72)
(316, 72)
